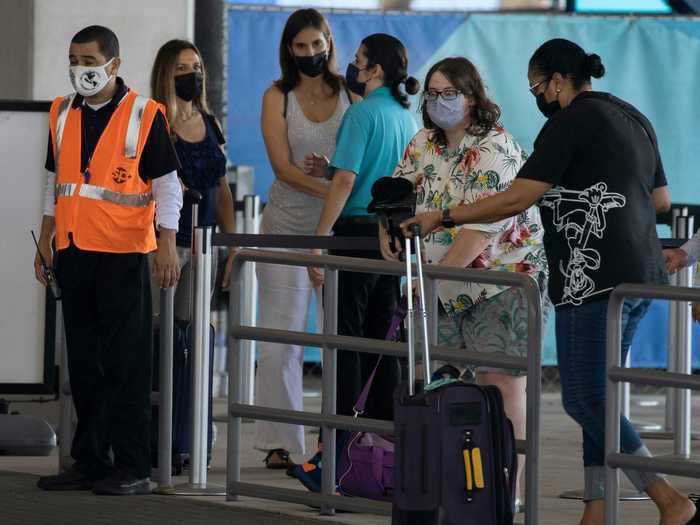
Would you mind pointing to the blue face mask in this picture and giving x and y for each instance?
(351, 79)
(446, 114)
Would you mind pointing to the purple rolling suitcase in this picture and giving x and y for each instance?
(456, 461)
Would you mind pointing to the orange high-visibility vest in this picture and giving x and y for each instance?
(111, 209)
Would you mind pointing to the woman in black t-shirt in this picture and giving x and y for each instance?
(597, 176)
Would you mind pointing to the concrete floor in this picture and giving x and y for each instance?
(22, 503)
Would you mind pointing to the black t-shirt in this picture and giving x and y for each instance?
(602, 157)
(158, 157)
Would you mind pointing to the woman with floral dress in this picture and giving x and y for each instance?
(463, 155)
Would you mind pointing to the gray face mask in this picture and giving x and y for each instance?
(446, 113)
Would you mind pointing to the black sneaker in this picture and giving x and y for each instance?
(71, 479)
(122, 484)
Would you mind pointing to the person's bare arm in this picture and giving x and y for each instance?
(661, 198)
(467, 246)
(521, 195)
(274, 131)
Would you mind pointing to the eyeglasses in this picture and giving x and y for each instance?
(533, 87)
(445, 94)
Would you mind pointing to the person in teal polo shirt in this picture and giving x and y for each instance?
(370, 143)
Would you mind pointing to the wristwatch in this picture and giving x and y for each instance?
(447, 221)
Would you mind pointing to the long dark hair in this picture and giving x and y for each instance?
(569, 60)
(163, 78)
(464, 76)
(296, 23)
(388, 52)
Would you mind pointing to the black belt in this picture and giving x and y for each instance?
(356, 220)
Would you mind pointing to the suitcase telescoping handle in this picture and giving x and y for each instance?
(420, 311)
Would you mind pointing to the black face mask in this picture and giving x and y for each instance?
(351, 79)
(312, 66)
(189, 86)
(547, 108)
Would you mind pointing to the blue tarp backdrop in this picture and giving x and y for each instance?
(651, 62)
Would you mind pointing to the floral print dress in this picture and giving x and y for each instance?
(478, 168)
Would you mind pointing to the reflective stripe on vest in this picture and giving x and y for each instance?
(63, 109)
(131, 141)
(133, 129)
(98, 193)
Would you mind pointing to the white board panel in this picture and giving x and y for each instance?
(23, 139)
(141, 27)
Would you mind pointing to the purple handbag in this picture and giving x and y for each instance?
(366, 464)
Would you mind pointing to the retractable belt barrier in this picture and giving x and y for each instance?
(617, 374)
(329, 341)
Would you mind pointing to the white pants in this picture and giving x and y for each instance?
(284, 294)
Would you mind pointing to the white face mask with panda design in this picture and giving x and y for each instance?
(89, 80)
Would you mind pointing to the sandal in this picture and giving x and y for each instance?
(278, 459)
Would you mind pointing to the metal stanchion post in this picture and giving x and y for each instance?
(250, 299)
(235, 385)
(328, 386)
(165, 387)
(201, 265)
(672, 332)
(683, 351)
(66, 428)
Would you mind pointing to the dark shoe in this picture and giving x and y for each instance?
(71, 479)
(122, 484)
(278, 459)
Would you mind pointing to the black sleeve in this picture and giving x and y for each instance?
(50, 161)
(158, 157)
(217, 129)
(554, 151)
(659, 174)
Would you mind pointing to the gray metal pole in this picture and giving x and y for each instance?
(165, 386)
(612, 412)
(329, 386)
(672, 333)
(626, 389)
(66, 429)
(532, 402)
(200, 367)
(211, 37)
(684, 338)
(410, 321)
(235, 382)
(201, 266)
(199, 322)
(251, 224)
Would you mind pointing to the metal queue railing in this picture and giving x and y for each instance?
(203, 242)
(682, 381)
(329, 341)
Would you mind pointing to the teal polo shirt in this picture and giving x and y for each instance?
(371, 141)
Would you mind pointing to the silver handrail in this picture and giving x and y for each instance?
(329, 342)
(617, 374)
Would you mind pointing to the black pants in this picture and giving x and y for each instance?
(107, 315)
(366, 303)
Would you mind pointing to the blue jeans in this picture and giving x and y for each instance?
(581, 333)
